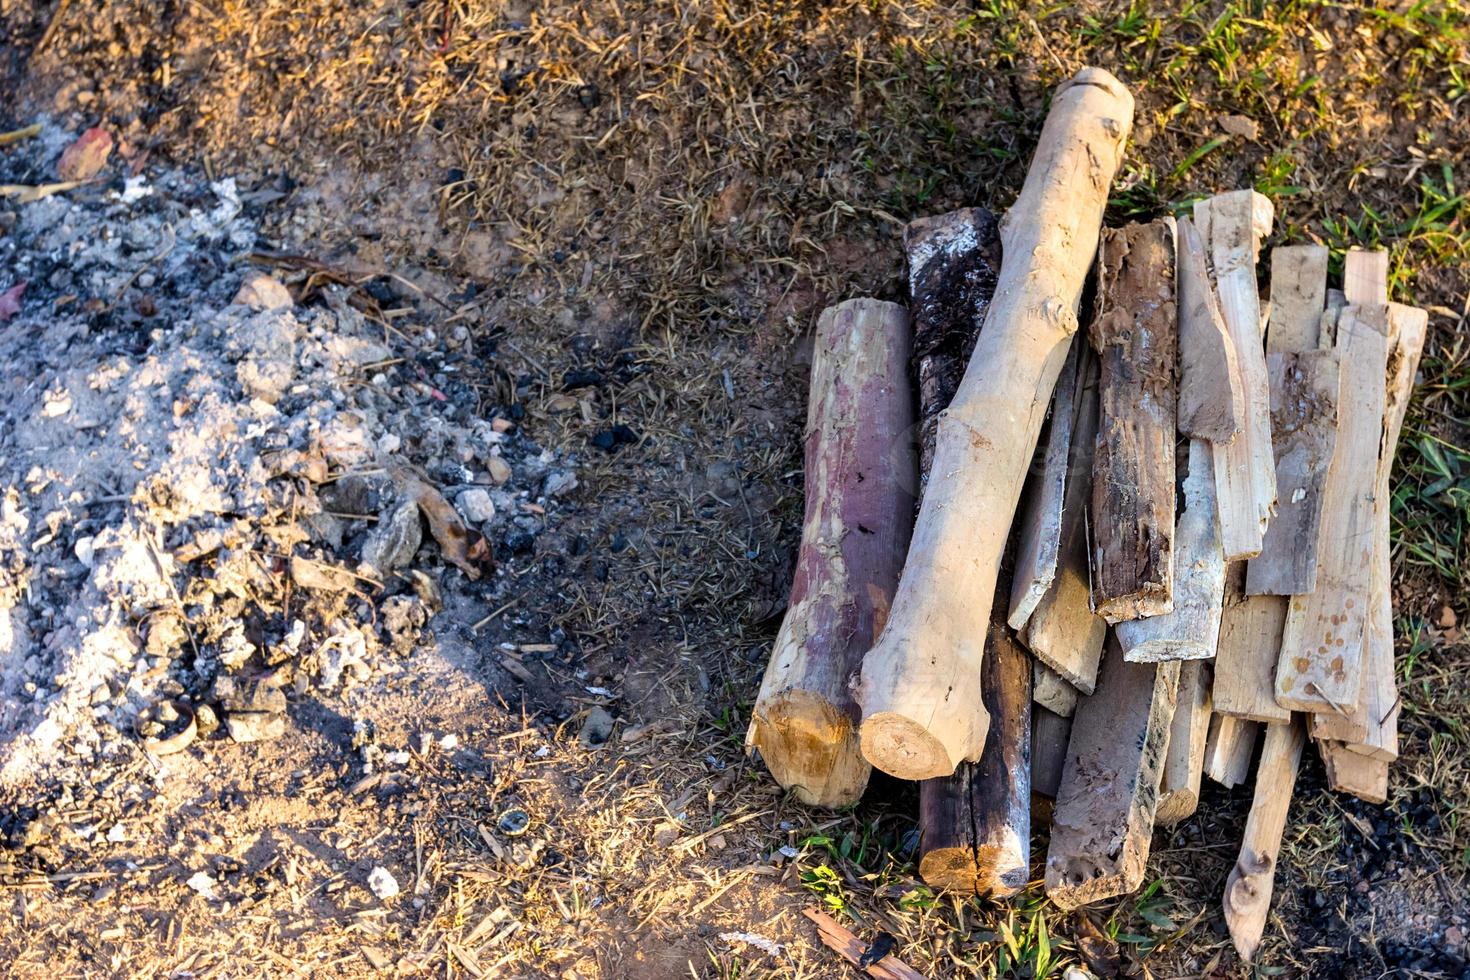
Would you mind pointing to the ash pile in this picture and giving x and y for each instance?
(217, 496)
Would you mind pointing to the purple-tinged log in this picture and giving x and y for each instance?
(860, 478)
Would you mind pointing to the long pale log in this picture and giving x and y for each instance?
(1192, 630)
(1063, 632)
(1250, 645)
(1373, 729)
(1304, 395)
(1052, 691)
(1050, 733)
(975, 825)
(1248, 889)
(1228, 749)
(1106, 803)
(860, 476)
(1184, 764)
(1322, 645)
(920, 687)
(1039, 545)
(1211, 398)
(1354, 773)
(1134, 331)
(1232, 226)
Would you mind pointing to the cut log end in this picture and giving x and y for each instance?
(905, 748)
(1247, 900)
(810, 746)
(995, 869)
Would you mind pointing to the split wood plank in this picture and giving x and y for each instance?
(1184, 764)
(1228, 749)
(1050, 733)
(1063, 632)
(1051, 690)
(920, 684)
(1105, 806)
(1354, 773)
(1320, 667)
(1232, 226)
(1365, 277)
(1246, 657)
(1304, 395)
(1041, 525)
(1373, 729)
(1191, 631)
(1248, 889)
(1134, 331)
(1298, 297)
(1211, 400)
(860, 475)
(1327, 328)
(841, 941)
(975, 825)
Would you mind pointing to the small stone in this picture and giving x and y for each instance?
(203, 884)
(206, 722)
(85, 550)
(236, 695)
(1242, 126)
(475, 506)
(559, 482)
(261, 291)
(395, 539)
(499, 469)
(596, 729)
(1447, 618)
(255, 726)
(519, 542)
(383, 884)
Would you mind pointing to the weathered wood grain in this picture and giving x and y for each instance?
(1211, 399)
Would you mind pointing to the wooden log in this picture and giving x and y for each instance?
(1373, 729)
(1039, 546)
(1134, 331)
(1185, 762)
(1052, 691)
(1248, 889)
(1232, 226)
(920, 686)
(1250, 645)
(1354, 773)
(1320, 667)
(1192, 630)
(975, 824)
(1050, 733)
(1105, 807)
(1063, 632)
(1304, 394)
(1228, 749)
(1211, 400)
(954, 259)
(860, 476)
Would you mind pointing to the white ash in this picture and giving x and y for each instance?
(165, 453)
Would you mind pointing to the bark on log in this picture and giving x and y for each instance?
(1248, 889)
(1184, 765)
(1250, 645)
(920, 688)
(1063, 632)
(1211, 398)
(860, 476)
(1039, 546)
(1232, 226)
(1106, 803)
(1191, 631)
(1320, 667)
(1134, 331)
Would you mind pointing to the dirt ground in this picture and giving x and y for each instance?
(612, 224)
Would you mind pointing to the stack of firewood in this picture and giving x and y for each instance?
(1196, 558)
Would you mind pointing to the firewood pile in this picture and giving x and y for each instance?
(1193, 562)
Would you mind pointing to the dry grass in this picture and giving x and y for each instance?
(669, 193)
